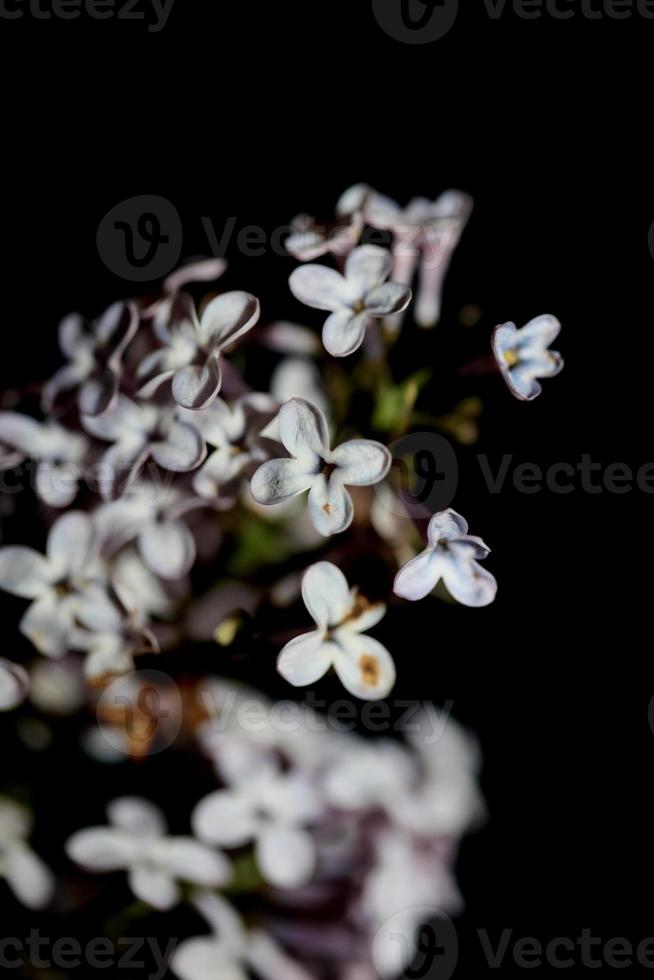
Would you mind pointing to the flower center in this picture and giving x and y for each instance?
(511, 357)
(369, 670)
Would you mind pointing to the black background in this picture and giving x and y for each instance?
(263, 110)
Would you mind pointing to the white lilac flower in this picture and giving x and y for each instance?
(193, 346)
(138, 432)
(137, 842)
(59, 454)
(363, 665)
(231, 950)
(14, 684)
(452, 555)
(95, 354)
(154, 517)
(369, 776)
(267, 806)
(523, 355)
(324, 472)
(57, 582)
(26, 874)
(351, 299)
(310, 240)
(427, 232)
(235, 432)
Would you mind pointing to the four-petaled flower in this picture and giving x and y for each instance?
(315, 467)
(137, 842)
(452, 556)
(193, 346)
(351, 299)
(523, 357)
(272, 809)
(59, 454)
(95, 354)
(364, 666)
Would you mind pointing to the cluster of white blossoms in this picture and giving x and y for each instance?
(180, 503)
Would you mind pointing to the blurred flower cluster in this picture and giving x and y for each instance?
(182, 504)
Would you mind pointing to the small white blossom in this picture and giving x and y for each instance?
(310, 240)
(364, 666)
(26, 874)
(58, 581)
(137, 842)
(351, 299)
(58, 452)
(523, 355)
(95, 353)
(231, 950)
(452, 555)
(315, 467)
(14, 684)
(193, 346)
(138, 432)
(268, 807)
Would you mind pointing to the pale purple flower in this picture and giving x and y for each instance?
(59, 454)
(137, 842)
(94, 352)
(28, 877)
(452, 555)
(324, 472)
(192, 346)
(139, 432)
(271, 808)
(363, 665)
(425, 233)
(352, 299)
(523, 355)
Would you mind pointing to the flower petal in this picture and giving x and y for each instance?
(320, 287)
(182, 450)
(197, 385)
(189, 860)
(101, 849)
(344, 332)
(48, 623)
(303, 430)
(467, 581)
(29, 878)
(137, 816)
(228, 317)
(154, 887)
(224, 818)
(365, 667)
(326, 594)
(305, 659)
(389, 298)
(279, 479)
(419, 577)
(540, 331)
(168, 548)
(205, 958)
(367, 267)
(330, 505)
(361, 462)
(71, 542)
(14, 684)
(205, 270)
(24, 572)
(446, 525)
(286, 856)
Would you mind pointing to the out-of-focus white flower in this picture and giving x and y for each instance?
(231, 949)
(427, 232)
(138, 432)
(95, 353)
(202, 270)
(452, 555)
(58, 452)
(298, 377)
(351, 299)
(58, 581)
(57, 686)
(285, 337)
(14, 684)
(315, 467)
(310, 240)
(369, 776)
(154, 517)
(523, 355)
(363, 665)
(270, 808)
(26, 874)
(235, 432)
(137, 842)
(193, 346)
